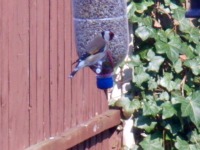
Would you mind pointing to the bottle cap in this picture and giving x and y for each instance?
(104, 81)
(194, 11)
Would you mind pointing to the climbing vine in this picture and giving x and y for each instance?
(165, 88)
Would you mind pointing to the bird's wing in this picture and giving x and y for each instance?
(82, 57)
(96, 45)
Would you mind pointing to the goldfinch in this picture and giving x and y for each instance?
(96, 50)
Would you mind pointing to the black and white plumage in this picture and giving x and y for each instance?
(96, 50)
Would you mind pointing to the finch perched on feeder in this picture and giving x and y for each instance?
(96, 50)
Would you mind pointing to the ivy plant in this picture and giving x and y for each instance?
(165, 94)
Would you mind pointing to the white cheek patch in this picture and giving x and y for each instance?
(107, 35)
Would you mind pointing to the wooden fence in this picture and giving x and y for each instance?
(37, 100)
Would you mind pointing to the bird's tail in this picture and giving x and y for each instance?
(73, 73)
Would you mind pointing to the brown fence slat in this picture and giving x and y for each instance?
(1, 43)
(61, 66)
(18, 73)
(40, 76)
(37, 100)
(68, 59)
(53, 66)
(4, 139)
(33, 73)
(81, 133)
(46, 65)
(39, 70)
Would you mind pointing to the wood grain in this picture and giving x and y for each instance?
(18, 69)
(37, 99)
(81, 133)
(4, 75)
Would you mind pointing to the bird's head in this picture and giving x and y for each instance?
(107, 35)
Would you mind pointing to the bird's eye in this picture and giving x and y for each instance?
(102, 34)
(111, 35)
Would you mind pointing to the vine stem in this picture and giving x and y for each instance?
(182, 85)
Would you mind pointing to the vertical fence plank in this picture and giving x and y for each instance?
(68, 60)
(4, 75)
(76, 86)
(18, 74)
(46, 65)
(1, 42)
(40, 76)
(53, 66)
(61, 65)
(39, 68)
(42, 39)
(94, 100)
(33, 72)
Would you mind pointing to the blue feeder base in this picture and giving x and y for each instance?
(104, 82)
(193, 13)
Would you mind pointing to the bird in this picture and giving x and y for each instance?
(95, 52)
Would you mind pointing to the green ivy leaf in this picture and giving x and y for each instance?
(187, 50)
(197, 49)
(184, 145)
(146, 123)
(178, 66)
(164, 96)
(147, 21)
(161, 47)
(150, 108)
(168, 110)
(143, 32)
(128, 106)
(181, 144)
(194, 146)
(184, 24)
(141, 76)
(135, 60)
(167, 82)
(171, 48)
(131, 10)
(176, 97)
(194, 35)
(162, 36)
(150, 143)
(194, 65)
(132, 106)
(152, 84)
(159, 89)
(167, 2)
(191, 107)
(155, 61)
(141, 7)
(194, 137)
(174, 6)
(174, 49)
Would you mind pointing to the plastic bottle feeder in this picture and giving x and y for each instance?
(91, 17)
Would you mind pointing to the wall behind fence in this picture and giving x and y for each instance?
(37, 100)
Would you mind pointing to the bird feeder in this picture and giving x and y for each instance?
(194, 11)
(91, 17)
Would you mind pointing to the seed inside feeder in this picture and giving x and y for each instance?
(93, 16)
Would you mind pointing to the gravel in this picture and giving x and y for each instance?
(93, 9)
